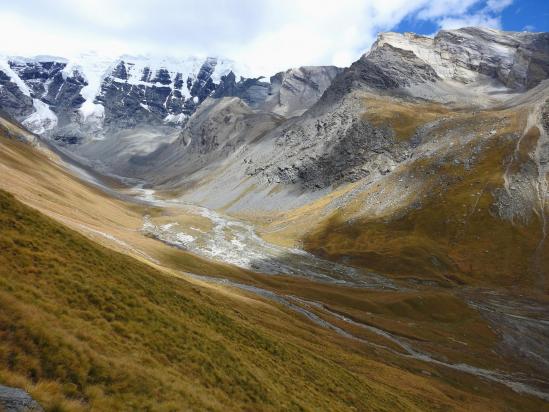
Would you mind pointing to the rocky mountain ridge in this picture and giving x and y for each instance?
(516, 59)
(470, 67)
(82, 96)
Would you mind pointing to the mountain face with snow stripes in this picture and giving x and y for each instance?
(67, 98)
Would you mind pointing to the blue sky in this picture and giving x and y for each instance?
(531, 15)
(519, 15)
(265, 35)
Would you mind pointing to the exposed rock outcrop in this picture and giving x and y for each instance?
(13, 100)
(520, 60)
(252, 91)
(17, 400)
(288, 93)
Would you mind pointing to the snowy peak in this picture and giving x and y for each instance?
(88, 92)
(69, 99)
(164, 88)
(166, 72)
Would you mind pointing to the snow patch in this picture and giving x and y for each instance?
(93, 69)
(42, 120)
(176, 118)
(5, 67)
(92, 113)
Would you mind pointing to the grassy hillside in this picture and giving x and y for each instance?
(451, 230)
(83, 327)
(86, 326)
(454, 234)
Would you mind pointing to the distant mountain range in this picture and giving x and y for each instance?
(68, 99)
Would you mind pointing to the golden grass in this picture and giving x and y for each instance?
(114, 332)
(86, 328)
(453, 235)
(402, 117)
(83, 327)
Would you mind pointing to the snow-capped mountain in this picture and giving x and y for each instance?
(69, 97)
(69, 100)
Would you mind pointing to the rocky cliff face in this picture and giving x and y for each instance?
(15, 98)
(295, 90)
(288, 93)
(519, 60)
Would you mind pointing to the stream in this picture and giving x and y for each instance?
(236, 242)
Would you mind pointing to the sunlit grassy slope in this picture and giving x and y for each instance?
(115, 333)
(453, 235)
(436, 216)
(83, 327)
(94, 326)
(86, 328)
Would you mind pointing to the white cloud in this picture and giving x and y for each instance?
(479, 19)
(445, 8)
(487, 16)
(267, 35)
(498, 5)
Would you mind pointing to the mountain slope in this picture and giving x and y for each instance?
(111, 328)
(408, 164)
(91, 328)
(468, 204)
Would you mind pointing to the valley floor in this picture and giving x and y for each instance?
(235, 242)
(265, 326)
